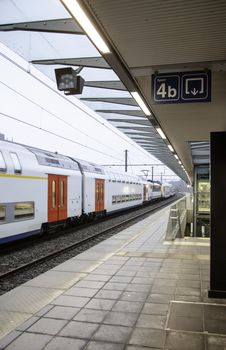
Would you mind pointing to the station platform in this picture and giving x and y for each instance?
(133, 291)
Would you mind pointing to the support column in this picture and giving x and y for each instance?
(126, 160)
(218, 216)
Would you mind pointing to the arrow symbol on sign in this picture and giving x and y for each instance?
(198, 81)
(194, 91)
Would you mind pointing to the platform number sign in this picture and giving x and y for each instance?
(182, 87)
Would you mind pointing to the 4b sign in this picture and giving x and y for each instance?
(183, 87)
(167, 88)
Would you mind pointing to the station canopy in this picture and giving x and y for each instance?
(45, 35)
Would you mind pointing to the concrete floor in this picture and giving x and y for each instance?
(132, 292)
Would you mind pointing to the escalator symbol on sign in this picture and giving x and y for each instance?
(194, 87)
(193, 90)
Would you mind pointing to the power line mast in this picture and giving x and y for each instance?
(145, 172)
(126, 160)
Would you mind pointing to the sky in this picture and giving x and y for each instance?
(34, 112)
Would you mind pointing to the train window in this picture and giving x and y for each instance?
(97, 192)
(123, 198)
(16, 163)
(127, 197)
(53, 194)
(2, 163)
(102, 191)
(24, 210)
(118, 199)
(113, 199)
(61, 194)
(2, 213)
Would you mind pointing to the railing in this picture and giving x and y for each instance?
(178, 218)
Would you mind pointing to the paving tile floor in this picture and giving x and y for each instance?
(131, 292)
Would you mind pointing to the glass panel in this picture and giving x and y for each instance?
(2, 212)
(61, 194)
(2, 163)
(203, 196)
(24, 210)
(53, 194)
(118, 199)
(97, 192)
(16, 163)
(102, 191)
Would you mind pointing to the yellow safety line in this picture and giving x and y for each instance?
(24, 177)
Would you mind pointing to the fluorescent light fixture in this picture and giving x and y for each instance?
(77, 12)
(179, 162)
(176, 156)
(140, 102)
(161, 133)
(171, 148)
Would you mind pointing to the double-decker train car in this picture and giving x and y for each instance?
(167, 190)
(40, 189)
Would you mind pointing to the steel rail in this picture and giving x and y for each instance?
(83, 241)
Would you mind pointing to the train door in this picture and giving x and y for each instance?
(99, 195)
(57, 197)
(145, 193)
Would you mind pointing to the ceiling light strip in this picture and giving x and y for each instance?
(80, 16)
(140, 102)
(161, 133)
(171, 148)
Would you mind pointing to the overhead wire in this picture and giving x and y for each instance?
(118, 133)
(55, 134)
(122, 136)
(54, 115)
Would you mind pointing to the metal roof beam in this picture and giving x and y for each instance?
(112, 85)
(144, 138)
(132, 112)
(131, 121)
(150, 130)
(93, 62)
(118, 100)
(64, 25)
(151, 143)
(145, 134)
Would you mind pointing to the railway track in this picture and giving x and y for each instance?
(101, 235)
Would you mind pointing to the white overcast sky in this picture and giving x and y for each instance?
(34, 112)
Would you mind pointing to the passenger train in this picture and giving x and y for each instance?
(40, 189)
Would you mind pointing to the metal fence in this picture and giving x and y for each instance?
(178, 218)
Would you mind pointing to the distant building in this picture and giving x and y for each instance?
(2, 136)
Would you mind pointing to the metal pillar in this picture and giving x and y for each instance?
(218, 217)
(126, 160)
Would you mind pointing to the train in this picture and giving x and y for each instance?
(40, 190)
